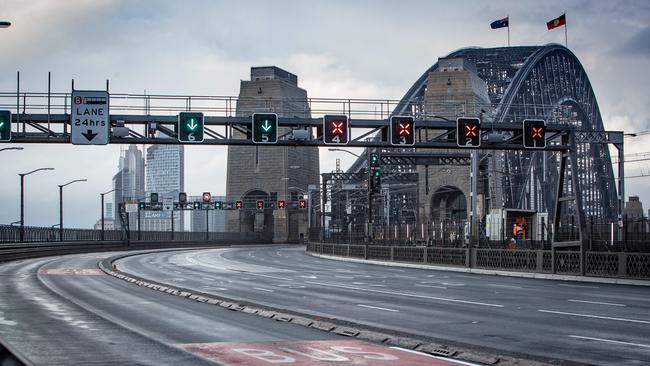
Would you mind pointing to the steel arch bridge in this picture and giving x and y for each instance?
(545, 82)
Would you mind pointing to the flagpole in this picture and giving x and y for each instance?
(566, 39)
(508, 17)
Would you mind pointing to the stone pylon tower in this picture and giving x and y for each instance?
(454, 90)
(271, 173)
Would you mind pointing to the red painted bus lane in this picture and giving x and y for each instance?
(311, 353)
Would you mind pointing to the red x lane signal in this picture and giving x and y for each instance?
(534, 133)
(335, 130)
(281, 204)
(260, 205)
(239, 205)
(468, 132)
(402, 130)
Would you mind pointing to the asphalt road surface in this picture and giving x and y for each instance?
(65, 311)
(590, 323)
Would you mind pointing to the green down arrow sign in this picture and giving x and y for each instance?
(267, 126)
(192, 125)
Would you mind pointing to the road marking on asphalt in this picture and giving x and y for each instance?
(72, 271)
(269, 276)
(378, 308)
(611, 341)
(263, 289)
(597, 302)
(577, 286)
(436, 357)
(313, 353)
(431, 286)
(346, 277)
(504, 286)
(405, 294)
(596, 316)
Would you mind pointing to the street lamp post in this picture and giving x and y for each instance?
(102, 195)
(11, 148)
(22, 200)
(61, 205)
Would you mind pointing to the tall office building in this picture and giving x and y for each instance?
(129, 180)
(165, 176)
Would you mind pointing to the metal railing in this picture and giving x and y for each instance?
(598, 264)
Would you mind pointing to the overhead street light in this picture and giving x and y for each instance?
(344, 150)
(61, 204)
(102, 195)
(5, 24)
(22, 200)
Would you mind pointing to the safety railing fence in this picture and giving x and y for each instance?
(11, 234)
(600, 264)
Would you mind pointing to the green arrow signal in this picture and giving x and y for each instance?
(2, 125)
(192, 125)
(266, 126)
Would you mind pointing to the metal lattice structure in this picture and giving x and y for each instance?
(546, 82)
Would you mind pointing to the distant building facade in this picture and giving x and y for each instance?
(128, 183)
(164, 175)
(216, 218)
(634, 208)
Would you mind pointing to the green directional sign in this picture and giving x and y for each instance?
(265, 128)
(190, 127)
(5, 126)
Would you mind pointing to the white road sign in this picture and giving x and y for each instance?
(90, 117)
(131, 207)
(168, 204)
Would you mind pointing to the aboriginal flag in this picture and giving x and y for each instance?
(554, 23)
(501, 23)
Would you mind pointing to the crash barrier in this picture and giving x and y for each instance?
(600, 264)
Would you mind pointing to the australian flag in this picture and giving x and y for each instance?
(501, 23)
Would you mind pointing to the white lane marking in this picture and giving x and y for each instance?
(346, 277)
(611, 341)
(446, 359)
(274, 277)
(378, 308)
(504, 286)
(377, 285)
(404, 294)
(431, 286)
(597, 302)
(596, 316)
(263, 289)
(311, 277)
(577, 286)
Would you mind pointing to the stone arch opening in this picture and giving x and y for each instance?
(448, 214)
(251, 218)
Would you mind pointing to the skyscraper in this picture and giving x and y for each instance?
(165, 176)
(129, 180)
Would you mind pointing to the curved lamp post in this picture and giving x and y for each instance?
(22, 200)
(61, 205)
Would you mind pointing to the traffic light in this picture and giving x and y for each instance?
(265, 128)
(335, 130)
(182, 198)
(375, 180)
(207, 197)
(5, 126)
(468, 132)
(260, 205)
(217, 205)
(534, 133)
(141, 206)
(153, 198)
(282, 204)
(402, 131)
(239, 205)
(190, 127)
(196, 205)
(302, 204)
(375, 160)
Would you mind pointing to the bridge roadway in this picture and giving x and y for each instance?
(582, 322)
(65, 311)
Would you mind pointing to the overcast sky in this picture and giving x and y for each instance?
(341, 49)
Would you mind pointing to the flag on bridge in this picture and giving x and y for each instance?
(501, 23)
(557, 22)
